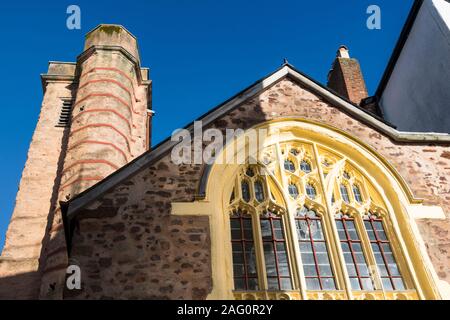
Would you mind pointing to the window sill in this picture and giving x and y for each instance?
(325, 295)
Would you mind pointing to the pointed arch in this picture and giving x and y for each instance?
(329, 151)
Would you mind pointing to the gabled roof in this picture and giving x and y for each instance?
(285, 71)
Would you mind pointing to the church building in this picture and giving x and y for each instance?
(344, 197)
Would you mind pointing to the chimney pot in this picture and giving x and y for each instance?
(343, 52)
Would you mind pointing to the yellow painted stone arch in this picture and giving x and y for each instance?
(397, 198)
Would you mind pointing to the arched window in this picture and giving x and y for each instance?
(290, 240)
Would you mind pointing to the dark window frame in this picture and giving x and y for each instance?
(311, 242)
(243, 241)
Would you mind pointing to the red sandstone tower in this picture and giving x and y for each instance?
(95, 118)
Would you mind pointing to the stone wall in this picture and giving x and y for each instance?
(20, 262)
(129, 246)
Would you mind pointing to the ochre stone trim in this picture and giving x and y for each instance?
(106, 125)
(192, 208)
(426, 212)
(102, 143)
(94, 178)
(104, 110)
(110, 95)
(93, 161)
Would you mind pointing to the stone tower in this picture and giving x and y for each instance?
(95, 118)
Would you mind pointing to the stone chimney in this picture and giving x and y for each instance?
(345, 77)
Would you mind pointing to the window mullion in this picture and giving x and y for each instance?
(331, 234)
(244, 250)
(284, 179)
(296, 262)
(262, 275)
(299, 274)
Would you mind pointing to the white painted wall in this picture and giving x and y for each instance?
(417, 96)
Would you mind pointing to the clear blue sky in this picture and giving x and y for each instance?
(200, 52)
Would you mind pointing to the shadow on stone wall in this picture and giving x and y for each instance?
(23, 286)
(53, 243)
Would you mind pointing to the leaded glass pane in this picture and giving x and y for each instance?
(314, 252)
(293, 191)
(311, 191)
(344, 193)
(384, 257)
(328, 284)
(305, 166)
(398, 283)
(357, 194)
(243, 252)
(266, 229)
(275, 253)
(316, 230)
(355, 260)
(259, 191)
(289, 165)
(245, 191)
(313, 284)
